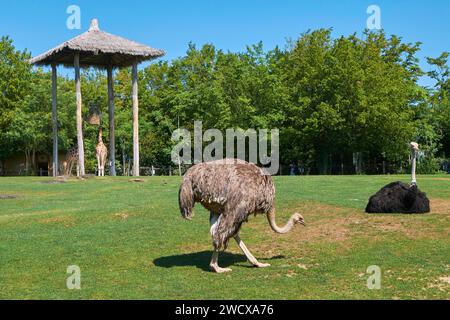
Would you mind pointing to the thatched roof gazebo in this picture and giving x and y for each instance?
(96, 48)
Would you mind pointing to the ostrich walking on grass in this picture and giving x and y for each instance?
(398, 197)
(231, 190)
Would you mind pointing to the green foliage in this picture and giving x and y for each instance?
(330, 98)
(440, 101)
(353, 94)
(15, 76)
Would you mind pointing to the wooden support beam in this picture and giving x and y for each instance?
(136, 170)
(55, 121)
(79, 116)
(112, 132)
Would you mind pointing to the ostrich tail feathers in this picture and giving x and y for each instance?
(186, 199)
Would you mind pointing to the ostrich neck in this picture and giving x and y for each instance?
(275, 227)
(413, 169)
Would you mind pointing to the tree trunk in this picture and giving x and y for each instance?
(55, 121)
(33, 160)
(27, 160)
(79, 115)
(135, 121)
(124, 161)
(112, 132)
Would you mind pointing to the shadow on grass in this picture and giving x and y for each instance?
(201, 260)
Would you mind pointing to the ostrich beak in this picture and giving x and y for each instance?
(302, 221)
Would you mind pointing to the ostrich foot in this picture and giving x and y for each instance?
(261, 265)
(214, 265)
(248, 254)
(218, 269)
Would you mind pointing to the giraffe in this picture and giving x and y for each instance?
(71, 158)
(101, 152)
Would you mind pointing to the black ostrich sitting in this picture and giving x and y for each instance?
(399, 197)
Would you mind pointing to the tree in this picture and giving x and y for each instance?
(351, 95)
(15, 76)
(440, 100)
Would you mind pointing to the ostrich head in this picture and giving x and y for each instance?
(414, 146)
(298, 218)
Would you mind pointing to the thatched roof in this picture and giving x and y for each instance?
(99, 49)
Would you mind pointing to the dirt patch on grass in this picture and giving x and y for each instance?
(55, 181)
(333, 224)
(445, 279)
(410, 226)
(341, 226)
(7, 196)
(440, 206)
(330, 230)
(442, 284)
(122, 215)
(436, 179)
(125, 215)
(324, 223)
(67, 221)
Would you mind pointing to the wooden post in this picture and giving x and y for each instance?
(55, 121)
(135, 121)
(79, 115)
(112, 132)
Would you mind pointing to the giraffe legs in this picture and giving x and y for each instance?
(101, 161)
(99, 166)
(71, 159)
(103, 164)
(101, 154)
(69, 172)
(66, 168)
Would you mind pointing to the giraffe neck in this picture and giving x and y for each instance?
(74, 152)
(100, 134)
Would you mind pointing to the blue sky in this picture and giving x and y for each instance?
(230, 25)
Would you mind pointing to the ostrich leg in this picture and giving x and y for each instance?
(214, 220)
(214, 265)
(248, 254)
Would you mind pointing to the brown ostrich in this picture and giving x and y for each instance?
(231, 190)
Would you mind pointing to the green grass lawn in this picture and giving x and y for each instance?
(131, 243)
